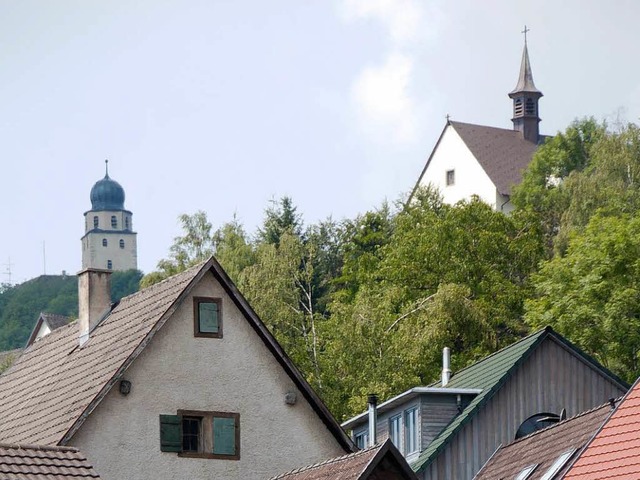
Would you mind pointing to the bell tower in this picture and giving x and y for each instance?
(109, 242)
(525, 100)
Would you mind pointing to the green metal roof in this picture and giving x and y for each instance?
(488, 374)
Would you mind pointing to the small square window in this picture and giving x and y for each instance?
(451, 177)
(207, 315)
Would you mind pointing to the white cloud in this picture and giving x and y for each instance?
(382, 101)
(401, 18)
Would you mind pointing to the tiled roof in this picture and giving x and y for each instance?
(542, 448)
(361, 465)
(55, 384)
(488, 374)
(54, 381)
(614, 453)
(502, 153)
(20, 462)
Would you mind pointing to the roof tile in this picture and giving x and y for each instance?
(18, 462)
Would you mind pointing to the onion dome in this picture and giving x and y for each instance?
(107, 194)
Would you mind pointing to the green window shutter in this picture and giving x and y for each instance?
(208, 313)
(170, 433)
(224, 435)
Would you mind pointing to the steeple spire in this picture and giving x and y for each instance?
(106, 169)
(525, 99)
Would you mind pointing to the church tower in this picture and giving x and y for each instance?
(109, 242)
(525, 100)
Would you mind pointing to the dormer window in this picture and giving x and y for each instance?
(362, 439)
(207, 317)
(114, 221)
(96, 221)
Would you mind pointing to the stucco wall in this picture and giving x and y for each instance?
(470, 178)
(95, 255)
(233, 374)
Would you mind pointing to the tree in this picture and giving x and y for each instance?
(194, 246)
(592, 294)
(281, 216)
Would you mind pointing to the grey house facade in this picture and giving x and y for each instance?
(449, 432)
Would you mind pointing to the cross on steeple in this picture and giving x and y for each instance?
(525, 33)
(106, 168)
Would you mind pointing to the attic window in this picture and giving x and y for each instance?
(193, 433)
(451, 177)
(207, 317)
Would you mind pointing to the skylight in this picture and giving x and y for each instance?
(558, 464)
(524, 474)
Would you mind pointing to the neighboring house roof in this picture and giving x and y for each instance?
(489, 374)
(28, 462)
(52, 320)
(55, 385)
(381, 461)
(614, 452)
(543, 448)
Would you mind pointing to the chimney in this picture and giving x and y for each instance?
(372, 399)
(94, 299)
(446, 366)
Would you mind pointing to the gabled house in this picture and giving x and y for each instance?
(380, 462)
(470, 160)
(20, 462)
(614, 451)
(449, 429)
(179, 380)
(46, 323)
(547, 453)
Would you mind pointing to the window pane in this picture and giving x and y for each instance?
(362, 440)
(394, 430)
(114, 221)
(411, 430)
(208, 317)
(190, 434)
(224, 435)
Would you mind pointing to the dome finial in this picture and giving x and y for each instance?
(106, 169)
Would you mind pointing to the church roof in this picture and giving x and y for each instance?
(503, 154)
(54, 386)
(107, 194)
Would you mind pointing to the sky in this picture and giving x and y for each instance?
(225, 105)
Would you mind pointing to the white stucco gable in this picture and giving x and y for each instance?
(451, 154)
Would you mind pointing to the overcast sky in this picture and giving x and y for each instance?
(222, 105)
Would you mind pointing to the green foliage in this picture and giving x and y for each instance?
(20, 305)
(280, 217)
(592, 294)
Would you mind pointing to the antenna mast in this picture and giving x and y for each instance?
(7, 271)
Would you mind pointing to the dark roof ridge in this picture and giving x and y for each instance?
(453, 123)
(46, 448)
(330, 461)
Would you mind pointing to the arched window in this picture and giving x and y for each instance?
(104, 242)
(96, 222)
(126, 223)
(121, 243)
(109, 265)
(114, 221)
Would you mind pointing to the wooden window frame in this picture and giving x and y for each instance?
(206, 434)
(196, 317)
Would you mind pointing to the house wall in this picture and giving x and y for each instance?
(451, 153)
(235, 374)
(551, 379)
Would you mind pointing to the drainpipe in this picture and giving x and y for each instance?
(446, 366)
(372, 399)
